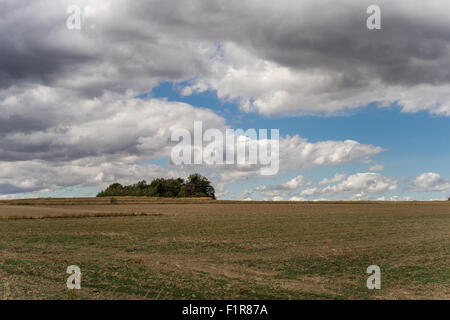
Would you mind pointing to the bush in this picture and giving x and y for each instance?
(195, 186)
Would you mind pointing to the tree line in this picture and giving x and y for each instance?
(196, 185)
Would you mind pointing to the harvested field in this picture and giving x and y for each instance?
(144, 248)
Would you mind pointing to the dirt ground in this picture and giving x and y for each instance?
(144, 248)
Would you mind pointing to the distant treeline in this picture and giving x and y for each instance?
(195, 186)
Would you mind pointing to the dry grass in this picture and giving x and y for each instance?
(144, 248)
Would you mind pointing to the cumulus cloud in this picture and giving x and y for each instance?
(283, 190)
(295, 154)
(395, 198)
(36, 175)
(430, 181)
(298, 153)
(296, 199)
(336, 178)
(286, 57)
(359, 185)
(51, 138)
(67, 128)
(117, 49)
(301, 57)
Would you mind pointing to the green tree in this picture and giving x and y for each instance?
(195, 186)
(172, 187)
(116, 189)
(199, 186)
(183, 192)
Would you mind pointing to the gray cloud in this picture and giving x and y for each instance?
(135, 45)
(111, 127)
(28, 176)
(7, 188)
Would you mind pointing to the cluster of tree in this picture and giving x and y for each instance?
(195, 186)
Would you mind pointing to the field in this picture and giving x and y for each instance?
(142, 248)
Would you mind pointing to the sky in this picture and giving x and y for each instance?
(362, 114)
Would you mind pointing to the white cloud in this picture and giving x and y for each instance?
(336, 178)
(395, 198)
(284, 189)
(31, 176)
(297, 153)
(115, 127)
(197, 87)
(430, 181)
(358, 185)
(310, 191)
(296, 199)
